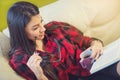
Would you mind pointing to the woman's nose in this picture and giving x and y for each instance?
(42, 29)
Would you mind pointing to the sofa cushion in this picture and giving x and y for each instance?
(6, 32)
(0, 50)
(70, 11)
(6, 72)
(4, 45)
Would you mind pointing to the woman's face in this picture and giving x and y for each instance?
(35, 28)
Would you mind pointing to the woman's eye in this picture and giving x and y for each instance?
(35, 28)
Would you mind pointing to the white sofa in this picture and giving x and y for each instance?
(96, 18)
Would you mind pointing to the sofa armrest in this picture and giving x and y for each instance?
(4, 45)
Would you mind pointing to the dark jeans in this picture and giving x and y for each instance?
(109, 73)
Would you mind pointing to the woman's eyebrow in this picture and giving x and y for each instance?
(35, 25)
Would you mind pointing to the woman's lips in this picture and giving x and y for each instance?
(42, 34)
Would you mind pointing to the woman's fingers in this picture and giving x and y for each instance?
(96, 53)
(97, 50)
(34, 60)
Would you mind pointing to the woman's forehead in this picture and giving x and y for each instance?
(34, 20)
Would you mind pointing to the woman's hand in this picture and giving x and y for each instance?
(34, 64)
(97, 49)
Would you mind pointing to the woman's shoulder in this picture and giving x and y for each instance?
(63, 26)
(19, 56)
(56, 24)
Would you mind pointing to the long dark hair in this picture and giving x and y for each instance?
(19, 15)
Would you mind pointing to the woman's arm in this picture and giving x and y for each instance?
(67, 31)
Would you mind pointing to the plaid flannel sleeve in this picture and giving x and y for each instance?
(18, 64)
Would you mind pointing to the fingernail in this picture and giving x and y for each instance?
(94, 60)
(91, 58)
(90, 49)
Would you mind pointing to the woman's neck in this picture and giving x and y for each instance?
(39, 45)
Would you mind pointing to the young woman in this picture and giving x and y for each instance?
(50, 52)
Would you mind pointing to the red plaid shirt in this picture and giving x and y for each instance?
(72, 43)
